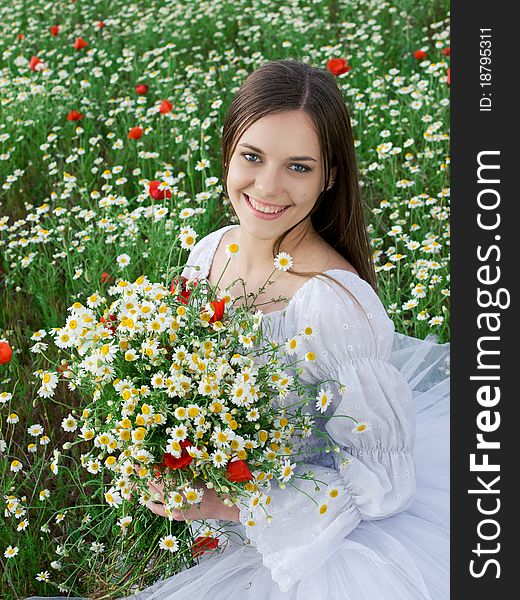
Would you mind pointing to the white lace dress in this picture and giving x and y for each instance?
(386, 534)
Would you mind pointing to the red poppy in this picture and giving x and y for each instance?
(420, 54)
(20, 36)
(109, 320)
(219, 306)
(448, 79)
(74, 115)
(34, 62)
(203, 544)
(141, 89)
(156, 193)
(105, 277)
(100, 24)
(55, 29)
(80, 43)
(338, 66)
(446, 51)
(185, 294)
(238, 470)
(5, 353)
(178, 463)
(165, 107)
(136, 133)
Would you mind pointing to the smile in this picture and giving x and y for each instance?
(266, 210)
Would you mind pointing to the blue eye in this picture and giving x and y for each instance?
(305, 168)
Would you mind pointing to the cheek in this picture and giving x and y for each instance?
(235, 178)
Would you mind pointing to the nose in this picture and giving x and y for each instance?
(269, 182)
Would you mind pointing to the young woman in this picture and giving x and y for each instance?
(290, 174)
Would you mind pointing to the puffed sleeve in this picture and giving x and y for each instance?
(365, 476)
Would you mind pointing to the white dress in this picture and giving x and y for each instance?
(386, 535)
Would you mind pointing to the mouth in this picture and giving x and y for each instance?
(269, 211)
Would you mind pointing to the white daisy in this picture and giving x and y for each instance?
(232, 250)
(113, 497)
(192, 495)
(361, 427)
(283, 261)
(219, 459)
(69, 423)
(11, 552)
(291, 345)
(124, 521)
(123, 260)
(323, 399)
(35, 430)
(286, 470)
(169, 542)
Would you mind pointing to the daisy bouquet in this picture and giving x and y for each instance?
(181, 386)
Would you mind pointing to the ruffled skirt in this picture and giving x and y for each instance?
(404, 557)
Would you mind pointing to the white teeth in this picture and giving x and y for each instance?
(263, 208)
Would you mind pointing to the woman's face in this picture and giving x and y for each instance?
(276, 165)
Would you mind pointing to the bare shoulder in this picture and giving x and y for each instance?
(325, 258)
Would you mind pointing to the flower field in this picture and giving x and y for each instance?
(110, 168)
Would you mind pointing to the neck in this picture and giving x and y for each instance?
(256, 254)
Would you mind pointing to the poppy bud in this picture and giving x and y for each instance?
(338, 66)
(136, 133)
(80, 43)
(5, 353)
(74, 115)
(165, 107)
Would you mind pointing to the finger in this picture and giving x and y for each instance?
(157, 509)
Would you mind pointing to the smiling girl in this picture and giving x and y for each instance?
(380, 528)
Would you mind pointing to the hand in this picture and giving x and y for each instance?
(210, 507)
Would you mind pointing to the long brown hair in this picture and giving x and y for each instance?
(338, 214)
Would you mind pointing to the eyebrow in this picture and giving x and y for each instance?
(255, 149)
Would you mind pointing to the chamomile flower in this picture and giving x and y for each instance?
(35, 430)
(16, 466)
(323, 399)
(308, 333)
(287, 470)
(169, 542)
(283, 261)
(113, 497)
(69, 423)
(219, 459)
(123, 260)
(231, 250)
(124, 522)
(43, 576)
(44, 494)
(5, 397)
(292, 345)
(192, 495)
(361, 427)
(11, 551)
